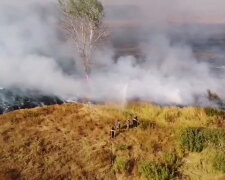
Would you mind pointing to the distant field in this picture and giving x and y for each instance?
(127, 35)
(72, 141)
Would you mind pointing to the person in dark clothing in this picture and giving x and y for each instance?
(113, 132)
(135, 122)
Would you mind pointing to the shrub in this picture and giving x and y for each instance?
(166, 170)
(172, 161)
(192, 139)
(219, 162)
(123, 165)
(155, 171)
(215, 137)
(197, 139)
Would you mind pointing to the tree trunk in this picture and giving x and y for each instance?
(87, 67)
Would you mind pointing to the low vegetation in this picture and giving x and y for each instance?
(197, 139)
(123, 165)
(72, 141)
(219, 161)
(166, 170)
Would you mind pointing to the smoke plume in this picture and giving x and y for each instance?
(159, 51)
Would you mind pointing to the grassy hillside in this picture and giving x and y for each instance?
(72, 142)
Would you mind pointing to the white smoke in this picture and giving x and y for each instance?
(34, 54)
(31, 46)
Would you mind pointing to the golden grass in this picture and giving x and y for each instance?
(72, 141)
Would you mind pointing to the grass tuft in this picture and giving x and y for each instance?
(219, 161)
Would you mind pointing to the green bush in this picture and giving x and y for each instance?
(219, 162)
(192, 139)
(166, 170)
(172, 161)
(197, 139)
(123, 165)
(215, 137)
(155, 171)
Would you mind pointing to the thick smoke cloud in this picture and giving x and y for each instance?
(34, 54)
(31, 47)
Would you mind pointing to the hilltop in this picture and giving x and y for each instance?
(71, 141)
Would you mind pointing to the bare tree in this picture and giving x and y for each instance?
(83, 20)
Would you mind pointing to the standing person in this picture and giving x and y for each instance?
(112, 132)
(118, 125)
(137, 119)
(128, 124)
(135, 122)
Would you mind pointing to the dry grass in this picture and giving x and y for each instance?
(198, 166)
(71, 141)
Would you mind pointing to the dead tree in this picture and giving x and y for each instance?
(83, 20)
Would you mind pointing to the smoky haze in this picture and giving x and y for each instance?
(151, 56)
(192, 11)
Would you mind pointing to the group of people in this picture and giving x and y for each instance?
(129, 124)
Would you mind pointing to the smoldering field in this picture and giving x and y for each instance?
(147, 57)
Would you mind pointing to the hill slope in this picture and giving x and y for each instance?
(72, 141)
